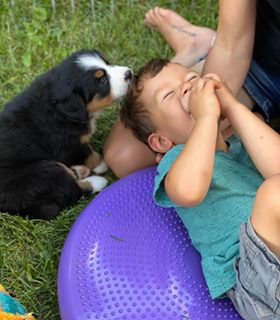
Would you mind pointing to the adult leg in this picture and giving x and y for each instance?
(256, 293)
(124, 153)
(190, 43)
(265, 217)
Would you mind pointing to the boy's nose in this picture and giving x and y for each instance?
(190, 79)
(185, 88)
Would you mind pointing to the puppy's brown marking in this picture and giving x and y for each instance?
(85, 138)
(84, 185)
(99, 73)
(81, 171)
(93, 160)
(98, 103)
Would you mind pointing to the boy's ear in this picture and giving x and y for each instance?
(159, 143)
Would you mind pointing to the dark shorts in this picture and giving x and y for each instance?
(264, 87)
(257, 291)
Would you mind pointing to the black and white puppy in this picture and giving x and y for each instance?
(45, 133)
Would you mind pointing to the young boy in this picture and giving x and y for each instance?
(216, 187)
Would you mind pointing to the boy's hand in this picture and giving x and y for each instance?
(203, 100)
(224, 94)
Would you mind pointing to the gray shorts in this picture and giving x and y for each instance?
(257, 292)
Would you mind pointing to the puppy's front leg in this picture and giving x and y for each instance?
(96, 163)
(81, 171)
(90, 184)
(95, 183)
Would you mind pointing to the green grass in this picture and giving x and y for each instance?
(33, 39)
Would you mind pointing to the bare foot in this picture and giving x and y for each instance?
(191, 43)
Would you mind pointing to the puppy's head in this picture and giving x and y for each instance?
(88, 79)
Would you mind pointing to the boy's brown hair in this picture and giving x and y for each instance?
(134, 114)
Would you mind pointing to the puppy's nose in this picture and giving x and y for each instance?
(128, 75)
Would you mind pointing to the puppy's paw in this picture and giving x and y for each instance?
(81, 171)
(101, 168)
(97, 183)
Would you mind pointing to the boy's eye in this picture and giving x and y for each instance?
(167, 94)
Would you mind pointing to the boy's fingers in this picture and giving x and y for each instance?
(206, 83)
(218, 85)
(212, 76)
(212, 84)
(195, 86)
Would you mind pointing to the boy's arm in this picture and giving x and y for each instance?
(261, 142)
(189, 177)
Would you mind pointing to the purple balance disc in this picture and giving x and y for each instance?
(127, 258)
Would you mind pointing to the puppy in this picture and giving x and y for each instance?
(45, 133)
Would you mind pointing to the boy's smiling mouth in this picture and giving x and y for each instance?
(186, 92)
(184, 101)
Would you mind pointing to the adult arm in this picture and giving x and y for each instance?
(231, 53)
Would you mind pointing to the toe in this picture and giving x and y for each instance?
(149, 18)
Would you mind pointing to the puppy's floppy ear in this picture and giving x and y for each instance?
(72, 109)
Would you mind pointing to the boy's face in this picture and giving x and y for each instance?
(166, 96)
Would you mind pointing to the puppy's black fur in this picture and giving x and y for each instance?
(40, 134)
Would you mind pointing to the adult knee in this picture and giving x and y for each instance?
(269, 194)
(116, 158)
(124, 160)
(265, 217)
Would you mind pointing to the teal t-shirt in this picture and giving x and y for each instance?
(213, 225)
